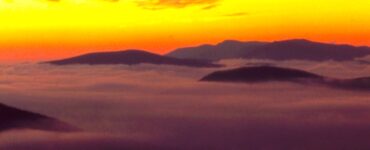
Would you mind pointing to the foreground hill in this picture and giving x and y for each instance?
(260, 74)
(353, 84)
(297, 49)
(269, 73)
(12, 118)
(131, 57)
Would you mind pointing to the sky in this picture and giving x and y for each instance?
(35, 30)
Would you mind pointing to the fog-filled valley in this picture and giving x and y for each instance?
(184, 75)
(167, 107)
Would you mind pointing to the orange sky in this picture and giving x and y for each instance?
(47, 29)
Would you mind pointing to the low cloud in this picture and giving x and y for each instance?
(161, 4)
(238, 14)
(62, 0)
(101, 0)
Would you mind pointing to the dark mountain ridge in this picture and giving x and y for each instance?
(296, 49)
(361, 84)
(260, 74)
(131, 57)
(308, 50)
(12, 118)
(224, 50)
(269, 73)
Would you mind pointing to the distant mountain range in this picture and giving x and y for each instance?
(12, 118)
(132, 57)
(269, 73)
(225, 50)
(205, 55)
(297, 49)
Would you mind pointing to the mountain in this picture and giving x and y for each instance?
(12, 118)
(260, 74)
(131, 57)
(224, 50)
(269, 73)
(296, 49)
(362, 84)
(307, 50)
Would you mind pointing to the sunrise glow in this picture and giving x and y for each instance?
(46, 29)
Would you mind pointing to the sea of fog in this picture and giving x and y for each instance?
(149, 107)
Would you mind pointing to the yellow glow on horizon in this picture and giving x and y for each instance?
(42, 29)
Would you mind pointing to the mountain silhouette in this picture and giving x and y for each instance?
(131, 57)
(12, 118)
(260, 74)
(227, 49)
(307, 50)
(362, 84)
(296, 49)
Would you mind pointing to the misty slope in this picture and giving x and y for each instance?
(297, 49)
(362, 83)
(269, 73)
(12, 118)
(131, 57)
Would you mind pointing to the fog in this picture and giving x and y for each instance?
(165, 107)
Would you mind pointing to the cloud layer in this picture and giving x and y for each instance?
(160, 4)
(162, 107)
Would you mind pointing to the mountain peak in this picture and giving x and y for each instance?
(134, 51)
(229, 42)
(297, 41)
(128, 52)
